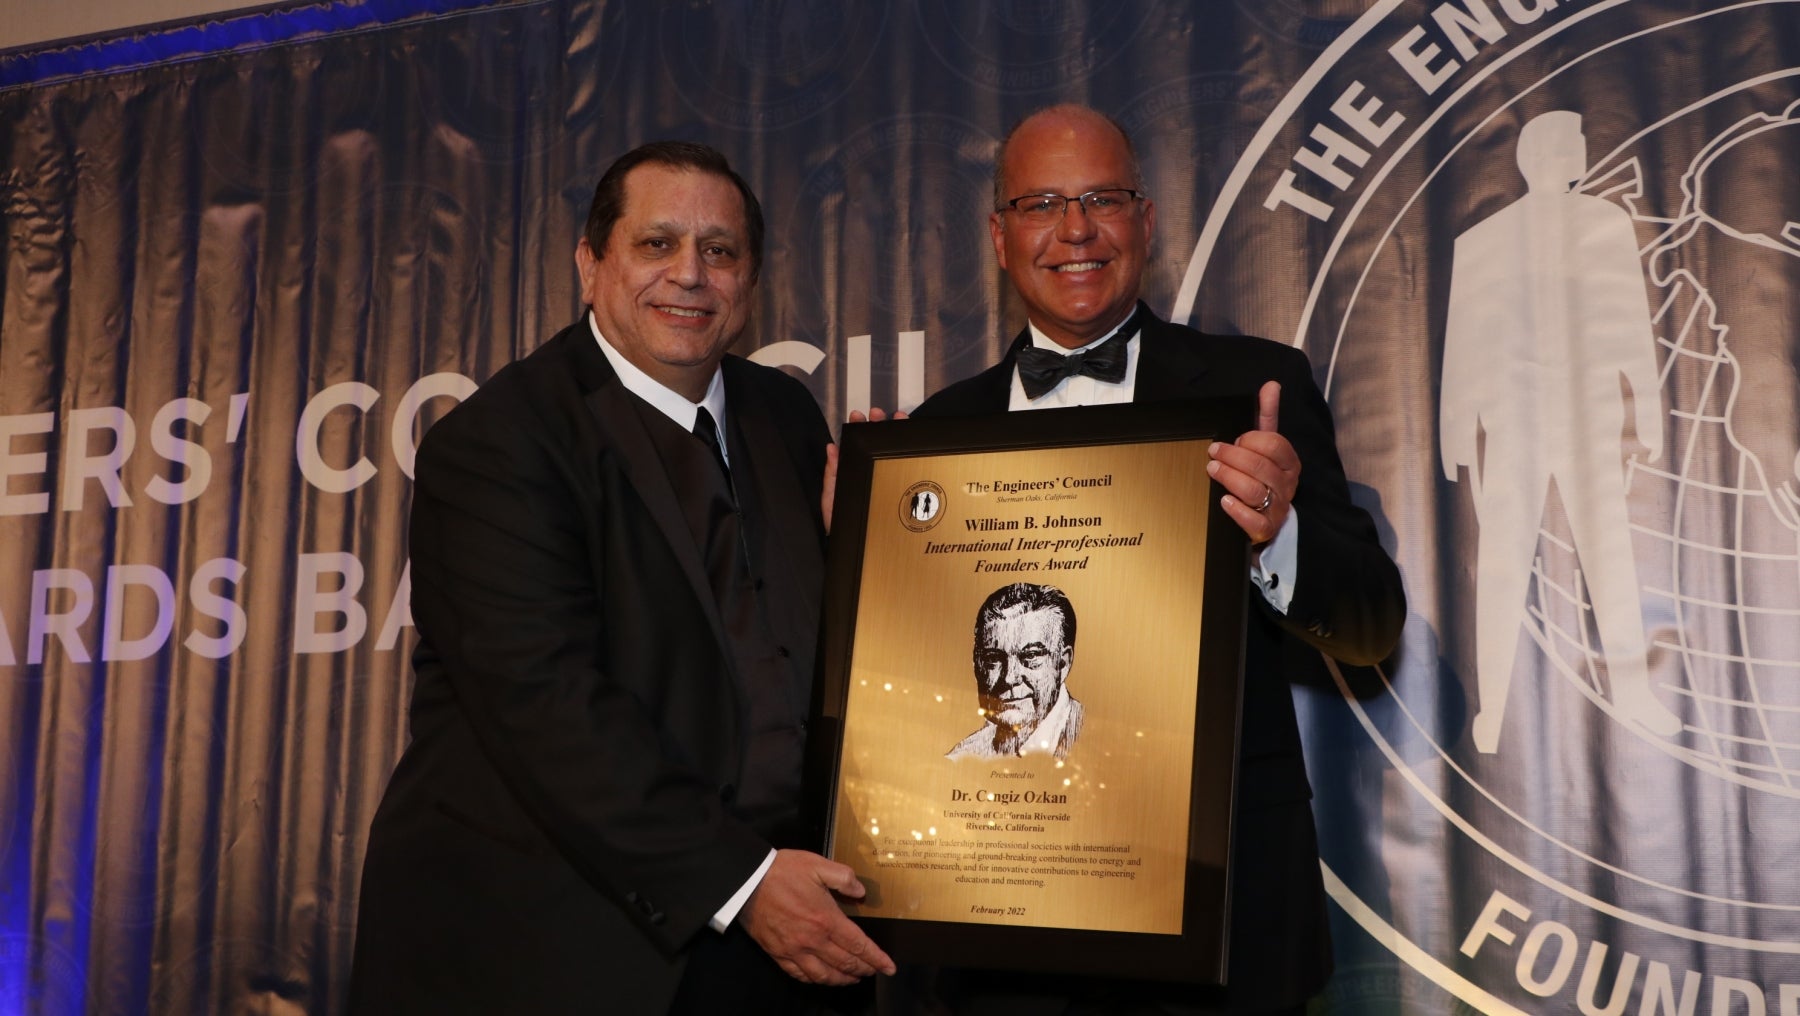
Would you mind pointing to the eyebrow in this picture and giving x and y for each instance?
(707, 232)
(1084, 190)
(996, 651)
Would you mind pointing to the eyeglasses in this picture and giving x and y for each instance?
(1046, 209)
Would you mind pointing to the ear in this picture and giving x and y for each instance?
(1149, 223)
(586, 266)
(997, 232)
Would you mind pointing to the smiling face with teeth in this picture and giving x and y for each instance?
(1079, 277)
(672, 288)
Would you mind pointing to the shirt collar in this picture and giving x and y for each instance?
(1045, 736)
(1042, 341)
(666, 401)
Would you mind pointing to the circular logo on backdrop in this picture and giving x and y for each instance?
(1555, 262)
(1198, 125)
(912, 193)
(1311, 23)
(909, 196)
(1014, 46)
(247, 138)
(488, 101)
(768, 63)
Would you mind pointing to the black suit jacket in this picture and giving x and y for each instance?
(1348, 605)
(560, 826)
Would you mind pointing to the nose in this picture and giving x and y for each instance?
(998, 675)
(1075, 226)
(687, 268)
(1012, 672)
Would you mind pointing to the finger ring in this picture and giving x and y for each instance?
(1268, 498)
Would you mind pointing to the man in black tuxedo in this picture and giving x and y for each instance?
(616, 552)
(1072, 230)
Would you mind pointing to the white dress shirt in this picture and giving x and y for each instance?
(677, 408)
(667, 401)
(1044, 740)
(1274, 566)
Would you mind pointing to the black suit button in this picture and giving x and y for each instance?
(631, 897)
(782, 651)
(657, 917)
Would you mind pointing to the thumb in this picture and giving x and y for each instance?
(1268, 406)
(839, 878)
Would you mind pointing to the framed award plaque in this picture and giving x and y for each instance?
(1025, 727)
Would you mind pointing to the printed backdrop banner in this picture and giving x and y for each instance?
(1545, 257)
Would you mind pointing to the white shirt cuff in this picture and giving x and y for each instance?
(1274, 566)
(727, 913)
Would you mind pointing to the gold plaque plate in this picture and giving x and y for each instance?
(994, 769)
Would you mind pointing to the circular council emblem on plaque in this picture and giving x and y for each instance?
(922, 506)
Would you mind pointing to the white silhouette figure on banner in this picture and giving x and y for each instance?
(1547, 312)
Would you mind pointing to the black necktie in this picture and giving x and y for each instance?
(1041, 369)
(708, 433)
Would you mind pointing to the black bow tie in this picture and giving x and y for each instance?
(1041, 369)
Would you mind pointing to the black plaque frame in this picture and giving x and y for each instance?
(1199, 953)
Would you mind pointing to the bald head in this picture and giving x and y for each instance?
(1061, 117)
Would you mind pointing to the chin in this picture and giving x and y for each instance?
(1085, 323)
(687, 354)
(1014, 718)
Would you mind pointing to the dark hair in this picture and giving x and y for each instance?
(1032, 597)
(609, 193)
(1137, 170)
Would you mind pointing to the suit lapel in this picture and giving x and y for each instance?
(780, 509)
(994, 385)
(771, 476)
(1169, 366)
(623, 433)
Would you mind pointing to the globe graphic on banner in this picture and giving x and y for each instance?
(1554, 316)
(1714, 524)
